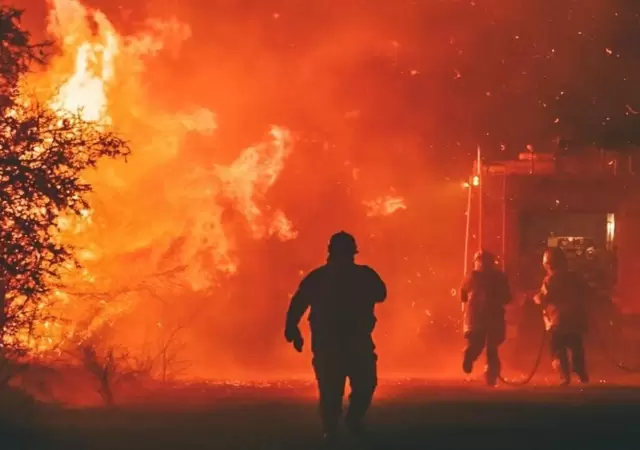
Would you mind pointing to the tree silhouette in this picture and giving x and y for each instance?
(43, 154)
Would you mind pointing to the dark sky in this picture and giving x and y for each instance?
(492, 72)
(498, 73)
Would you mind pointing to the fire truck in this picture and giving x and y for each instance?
(586, 202)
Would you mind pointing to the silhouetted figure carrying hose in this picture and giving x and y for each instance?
(484, 294)
(563, 297)
(341, 296)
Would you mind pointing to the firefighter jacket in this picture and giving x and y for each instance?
(484, 294)
(563, 297)
(341, 297)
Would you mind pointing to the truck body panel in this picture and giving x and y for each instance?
(588, 203)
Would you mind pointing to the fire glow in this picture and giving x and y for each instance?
(100, 75)
(157, 231)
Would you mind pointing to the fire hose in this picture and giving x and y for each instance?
(603, 347)
(528, 378)
(533, 371)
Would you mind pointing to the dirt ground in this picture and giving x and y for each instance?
(411, 414)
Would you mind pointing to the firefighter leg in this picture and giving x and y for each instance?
(475, 345)
(577, 358)
(493, 363)
(559, 355)
(331, 378)
(363, 380)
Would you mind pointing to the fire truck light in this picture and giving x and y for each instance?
(476, 180)
(611, 229)
(465, 185)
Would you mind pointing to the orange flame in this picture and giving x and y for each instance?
(86, 90)
(252, 174)
(137, 219)
(384, 206)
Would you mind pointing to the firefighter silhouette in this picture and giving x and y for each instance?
(341, 296)
(563, 297)
(484, 294)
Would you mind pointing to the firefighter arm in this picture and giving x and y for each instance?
(542, 297)
(378, 288)
(375, 287)
(507, 296)
(464, 297)
(297, 308)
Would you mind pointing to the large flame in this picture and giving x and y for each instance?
(164, 229)
(94, 64)
(176, 232)
(385, 205)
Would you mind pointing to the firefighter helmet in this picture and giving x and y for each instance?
(344, 243)
(485, 257)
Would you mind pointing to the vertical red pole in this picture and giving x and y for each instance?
(480, 210)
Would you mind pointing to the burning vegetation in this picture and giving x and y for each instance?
(75, 266)
(110, 261)
(245, 153)
(45, 151)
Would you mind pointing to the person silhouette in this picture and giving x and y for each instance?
(564, 296)
(484, 294)
(341, 296)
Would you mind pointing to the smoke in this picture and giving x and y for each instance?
(382, 102)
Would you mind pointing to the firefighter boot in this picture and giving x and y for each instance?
(492, 369)
(584, 378)
(578, 361)
(355, 426)
(562, 367)
(467, 365)
(329, 435)
(491, 378)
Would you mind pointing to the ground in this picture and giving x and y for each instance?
(412, 414)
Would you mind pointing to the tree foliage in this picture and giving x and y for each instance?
(43, 154)
(17, 53)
